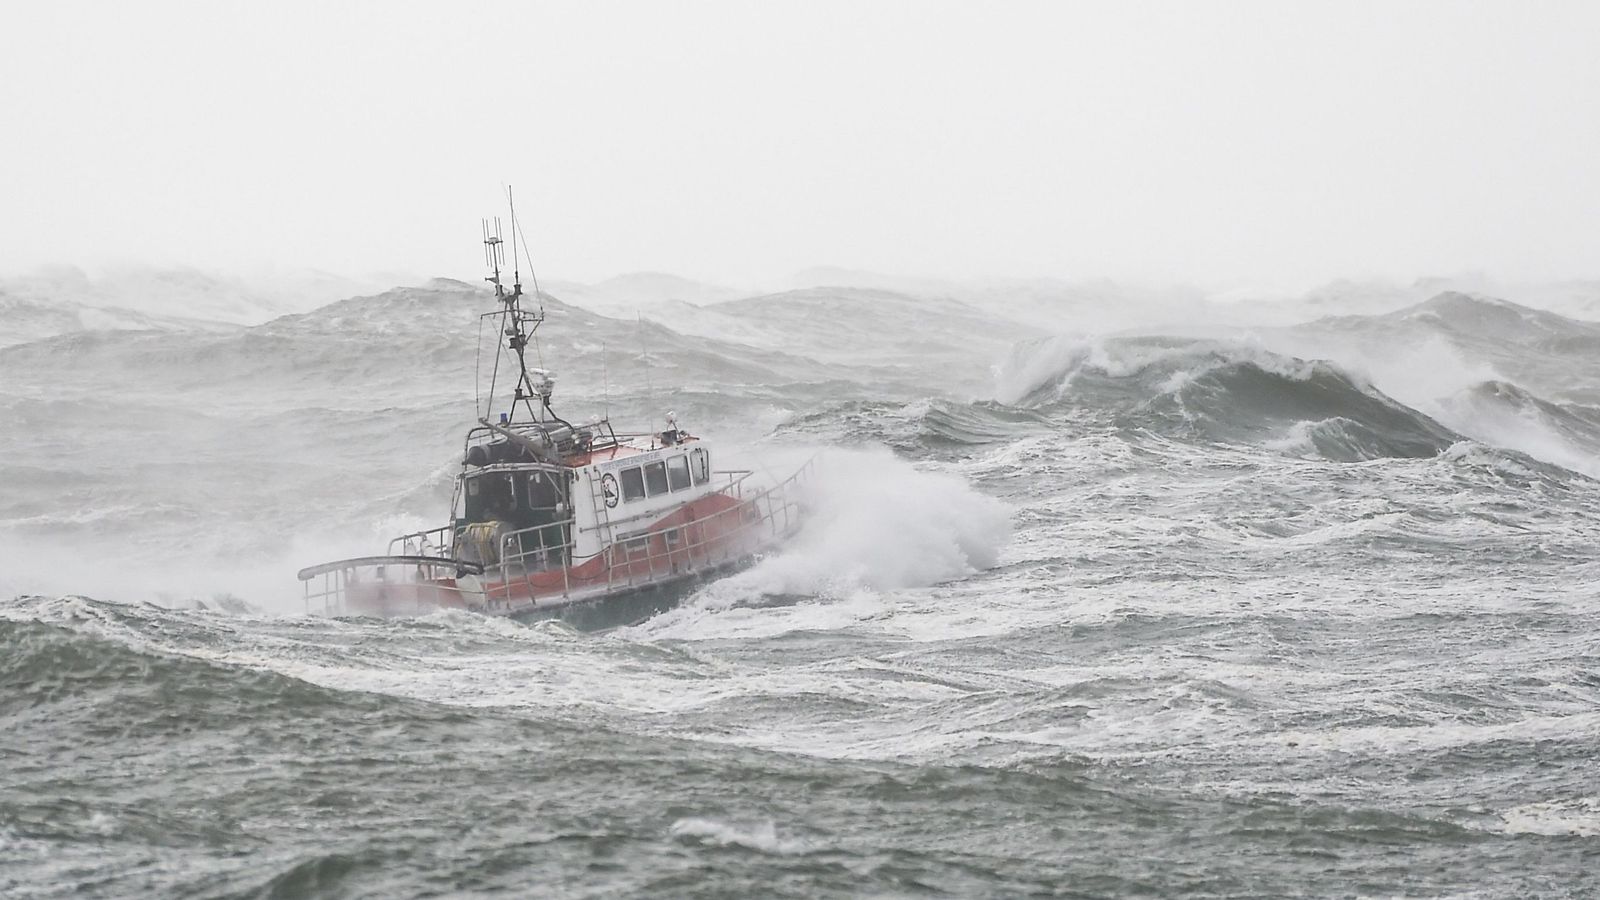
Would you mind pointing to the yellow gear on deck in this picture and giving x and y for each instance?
(483, 538)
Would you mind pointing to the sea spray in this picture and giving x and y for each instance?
(876, 521)
(874, 524)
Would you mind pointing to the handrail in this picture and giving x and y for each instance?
(764, 495)
(666, 561)
(311, 572)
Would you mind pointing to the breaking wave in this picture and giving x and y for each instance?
(1218, 391)
(874, 524)
(1566, 434)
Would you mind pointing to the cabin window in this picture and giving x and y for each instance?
(544, 489)
(701, 464)
(674, 537)
(678, 472)
(655, 478)
(636, 545)
(632, 484)
(497, 498)
(472, 488)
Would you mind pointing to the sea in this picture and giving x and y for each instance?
(1101, 592)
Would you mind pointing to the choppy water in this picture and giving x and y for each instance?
(1288, 611)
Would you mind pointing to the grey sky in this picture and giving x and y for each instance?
(741, 141)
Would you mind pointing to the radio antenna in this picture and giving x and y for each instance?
(494, 256)
(516, 327)
(516, 258)
(644, 359)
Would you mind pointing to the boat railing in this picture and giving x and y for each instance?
(601, 435)
(664, 553)
(391, 585)
(736, 479)
(433, 542)
(734, 489)
(527, 551)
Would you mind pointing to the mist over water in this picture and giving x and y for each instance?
(1103, 592)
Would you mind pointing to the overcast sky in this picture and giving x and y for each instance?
(742, 141)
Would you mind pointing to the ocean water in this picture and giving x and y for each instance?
(1085, 607)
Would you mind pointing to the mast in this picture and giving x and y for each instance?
(517, 326)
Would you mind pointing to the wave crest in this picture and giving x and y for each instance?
(1219, 391)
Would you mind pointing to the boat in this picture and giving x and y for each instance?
(555, 519)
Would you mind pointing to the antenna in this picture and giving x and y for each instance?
(605, 381)
(644, 359)
(520, 236)
(515, 327)
(494, 255)
(516, 259)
